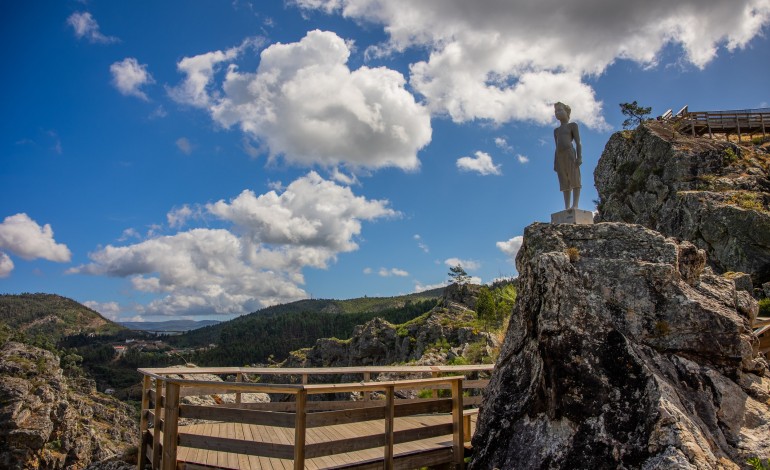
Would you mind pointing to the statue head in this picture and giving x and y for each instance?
(559, 105)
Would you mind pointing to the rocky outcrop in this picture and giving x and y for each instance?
(625, 353)
(53, 422)
(447, 331)
(712, 193)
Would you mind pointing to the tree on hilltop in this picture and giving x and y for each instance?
(634, 113)
(458, 275)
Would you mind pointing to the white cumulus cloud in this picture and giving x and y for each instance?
(482, 164)
(129, 76)
(511, 60)
(385, 272)
(467, 264)
(256, 262)
(184, 145)
(6, 265)
(305, 104)
(511, 247)
(522, 158)
(109, 310)
(23, 237)
(85, 26)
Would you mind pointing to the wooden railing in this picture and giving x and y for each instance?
(740, 122)
(162, 408)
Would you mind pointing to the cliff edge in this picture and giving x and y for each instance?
(715, 194)
(623, 351)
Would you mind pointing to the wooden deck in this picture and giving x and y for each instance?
(377, 424)
(406, 455)
(739, 123)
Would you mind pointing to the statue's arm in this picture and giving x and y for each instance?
(578, 145)
(556, 142)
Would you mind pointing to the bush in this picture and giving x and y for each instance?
(764, 307)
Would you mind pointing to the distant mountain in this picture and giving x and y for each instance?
(277, 330)
(169, 325)
(52, 317)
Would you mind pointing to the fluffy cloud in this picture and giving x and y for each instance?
(510, 60)
(482, 164)
(304, 103)
(467, 264)
(129, 76)
(23, 237)
(256, 263)
(109, 310)
(184, 145)
(511, 247)
(384, 272)
(6, 265)
(85, 26)
(522, 158)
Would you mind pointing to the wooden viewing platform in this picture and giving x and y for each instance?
(698, 123)
(381, 430)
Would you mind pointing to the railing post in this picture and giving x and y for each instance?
(159, 390)
(390, 412)
(434, 393)
(146, 384)
(300, 425)
(170, 424)
(238, 378)
(367, 378)
(458, 446)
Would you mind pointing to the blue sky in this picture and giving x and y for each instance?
(204, 159)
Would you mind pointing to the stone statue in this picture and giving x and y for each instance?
(567, 159)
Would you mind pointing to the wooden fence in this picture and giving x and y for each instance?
(162, 408)
(749, 121)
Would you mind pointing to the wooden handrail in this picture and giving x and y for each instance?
(169, 388)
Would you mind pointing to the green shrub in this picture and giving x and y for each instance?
(729, 156)
(756, 464)
(764, 307)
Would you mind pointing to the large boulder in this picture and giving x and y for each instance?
(715, 194)
(623, 351)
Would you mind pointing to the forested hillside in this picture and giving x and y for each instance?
(271, 333)
(44, 319)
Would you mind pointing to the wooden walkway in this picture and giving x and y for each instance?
(406, 455)
(741, 122)
(379, 429)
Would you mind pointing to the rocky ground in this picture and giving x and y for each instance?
(713, 193)
(624, 351)
(54, 422)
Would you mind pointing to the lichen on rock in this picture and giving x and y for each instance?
(633, 356)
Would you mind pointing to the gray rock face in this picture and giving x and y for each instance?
(632, 356)
(378, 342)
(52, 422)
(714, 194)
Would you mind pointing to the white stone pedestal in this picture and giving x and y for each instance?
(573, 216)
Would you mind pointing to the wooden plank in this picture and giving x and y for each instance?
(300, 431)
(156, 425)
(238, 378)
(211, 442)
(146, 386)
(344, 445)
(424, 406)
(170, 424)
(235, 415)
(328, 418)
(424, 432)
(389, 417)
(457, 425)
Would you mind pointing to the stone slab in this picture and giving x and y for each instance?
(573, 216)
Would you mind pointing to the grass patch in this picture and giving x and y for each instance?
(746, 200)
